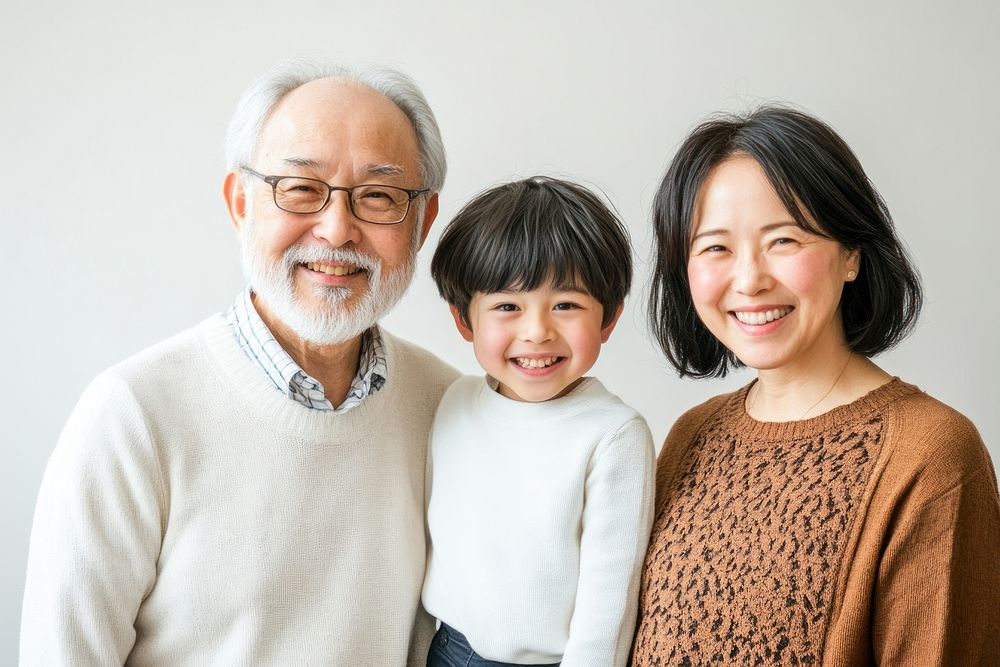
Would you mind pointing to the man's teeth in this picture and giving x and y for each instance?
(543, 362)
(331, 270)
(762, 317)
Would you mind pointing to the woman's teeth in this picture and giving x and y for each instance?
(761, 317)
(331, 270)
(543, 362)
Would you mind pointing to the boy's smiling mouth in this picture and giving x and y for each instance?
(533, 363)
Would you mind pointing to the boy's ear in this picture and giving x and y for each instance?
(606, 331)
(463, 328)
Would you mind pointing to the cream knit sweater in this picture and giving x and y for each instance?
(539, 517)
(192, 515)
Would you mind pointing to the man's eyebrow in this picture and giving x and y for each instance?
(385, 169)
(303, 162)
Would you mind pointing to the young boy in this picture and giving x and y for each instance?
(540, 480)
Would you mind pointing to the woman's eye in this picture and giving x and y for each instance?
(784, 241)
(711, 249)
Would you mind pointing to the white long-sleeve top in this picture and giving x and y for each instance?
(539, 515)
(193, 515)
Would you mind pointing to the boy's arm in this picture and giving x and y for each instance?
(95, 537)
(617, 515)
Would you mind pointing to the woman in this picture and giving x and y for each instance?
(827, 513)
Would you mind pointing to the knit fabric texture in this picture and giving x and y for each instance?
(539, 515)
(192, 515)
(867, 535)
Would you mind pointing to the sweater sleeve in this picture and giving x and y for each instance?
(618, 502)
(96, 534)
(938, 588)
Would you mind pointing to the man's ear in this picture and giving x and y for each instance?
(236, 200)
(430, 214)
(463, 328)
(606, 331)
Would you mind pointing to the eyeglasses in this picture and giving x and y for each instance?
(377, 204)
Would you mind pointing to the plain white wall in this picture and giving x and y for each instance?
(115, 234)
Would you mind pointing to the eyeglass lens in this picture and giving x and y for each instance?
(372, 203)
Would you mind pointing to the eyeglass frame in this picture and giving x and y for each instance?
(272, 180)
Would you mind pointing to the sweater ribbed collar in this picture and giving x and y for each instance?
(734, 412)
(275, 410)
(494, 405)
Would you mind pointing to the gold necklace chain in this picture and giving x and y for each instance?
(756, 390)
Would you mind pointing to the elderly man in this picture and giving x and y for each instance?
(251, 491)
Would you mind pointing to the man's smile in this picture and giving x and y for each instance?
(333, 269)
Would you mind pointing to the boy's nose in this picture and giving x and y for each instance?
(536, 328)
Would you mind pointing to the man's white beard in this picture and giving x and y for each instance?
(329, 320)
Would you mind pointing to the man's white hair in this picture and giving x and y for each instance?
(257, 103)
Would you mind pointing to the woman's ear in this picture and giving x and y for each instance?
(853, 264)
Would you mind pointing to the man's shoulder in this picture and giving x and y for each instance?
(417, 364)
(177, 353)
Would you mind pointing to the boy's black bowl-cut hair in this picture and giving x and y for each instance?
(530, 233)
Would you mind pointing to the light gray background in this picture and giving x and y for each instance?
(115, 234)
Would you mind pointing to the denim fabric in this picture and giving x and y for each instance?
(450, 648)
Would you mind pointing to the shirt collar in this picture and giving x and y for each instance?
(260, 346)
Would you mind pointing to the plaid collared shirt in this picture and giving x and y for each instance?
(262, 349)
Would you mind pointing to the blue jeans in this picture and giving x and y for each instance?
(450, 648)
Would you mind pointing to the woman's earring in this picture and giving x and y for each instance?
(850, 275)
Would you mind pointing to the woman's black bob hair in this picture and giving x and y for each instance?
(530, 233)
(824, 188)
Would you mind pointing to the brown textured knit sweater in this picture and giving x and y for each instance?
(869, 535)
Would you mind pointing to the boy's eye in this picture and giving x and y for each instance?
(566, 305)
(505, 307)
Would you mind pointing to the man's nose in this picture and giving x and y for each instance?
(336, 224)
(751, 274)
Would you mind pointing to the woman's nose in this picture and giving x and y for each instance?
(751, 275)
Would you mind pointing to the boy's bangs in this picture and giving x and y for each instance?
(530, 257)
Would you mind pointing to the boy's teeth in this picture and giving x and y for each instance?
(544, 362)
(762, 317)
(332, 270)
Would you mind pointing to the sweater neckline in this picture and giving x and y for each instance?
(498, 407)
(872, 402)
(264, 402)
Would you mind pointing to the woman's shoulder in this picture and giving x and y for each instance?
(718, 406)
(929, 437)
(686, 428)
